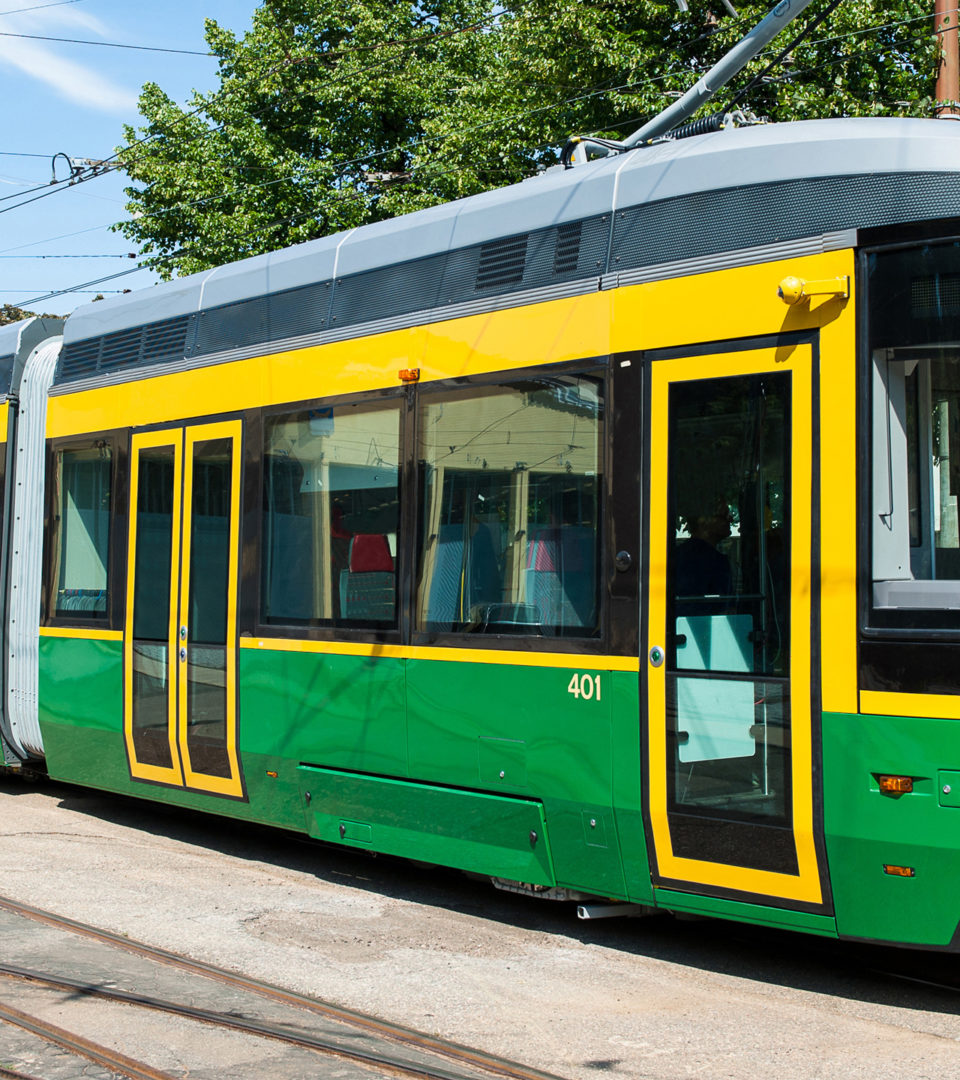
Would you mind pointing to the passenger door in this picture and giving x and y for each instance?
(729, 681)
(180, 636)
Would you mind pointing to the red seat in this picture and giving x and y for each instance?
(370, 553)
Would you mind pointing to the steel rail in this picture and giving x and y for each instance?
(463, 1055)
(260, 1028)
(77, 1044)
(12, 1074)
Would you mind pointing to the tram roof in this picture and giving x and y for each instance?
(728, 160)
(17, 340)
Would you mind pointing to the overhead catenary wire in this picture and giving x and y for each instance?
(414, 42)
(258, 231)
(128, 255)
(73, 181)
(40, 7)
(54, 239)
(331, 54)
(104, 44)
(156, 260)
(822, 15)
(7, 292)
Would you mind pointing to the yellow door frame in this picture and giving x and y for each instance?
(218, 785)
(172, 437)
(693, 874)
(183, 441)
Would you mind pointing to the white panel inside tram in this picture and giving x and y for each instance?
(915, 386)
(729, 594)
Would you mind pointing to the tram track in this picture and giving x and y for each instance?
(12, 1074)
(453, 1061)
(79, 1045)
(247, 1026)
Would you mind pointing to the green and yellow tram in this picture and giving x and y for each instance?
(598, 535)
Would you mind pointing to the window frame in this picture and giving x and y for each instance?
(403, 632)
(118, 441)
(251, 599)
(596, 644)
(882, 242)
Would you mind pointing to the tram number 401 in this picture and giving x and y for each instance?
(585, 686)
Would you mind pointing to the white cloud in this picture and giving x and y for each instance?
(74, 81)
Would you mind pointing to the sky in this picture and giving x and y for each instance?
(73, 99)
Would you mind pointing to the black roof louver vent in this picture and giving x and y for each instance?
(566, 255)
(502, 263)
(120, 349)
(156, 343)
(165, 340)
(79, 360)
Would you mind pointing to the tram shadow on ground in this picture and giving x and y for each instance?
(887, 976)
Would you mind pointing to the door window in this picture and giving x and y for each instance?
(728, 604)
(728, 673)
(180, 640)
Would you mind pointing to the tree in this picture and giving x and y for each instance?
(333, 114)
(11, 314)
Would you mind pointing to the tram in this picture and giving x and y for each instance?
(598, 535)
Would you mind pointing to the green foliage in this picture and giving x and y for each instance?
(11, 314)
(330, 114)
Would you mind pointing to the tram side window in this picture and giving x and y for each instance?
(511, 480)
(915, 481)
(81, 534)
(331, 512)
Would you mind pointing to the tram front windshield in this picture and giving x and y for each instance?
(914, 311)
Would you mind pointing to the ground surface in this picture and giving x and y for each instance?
(651, 998)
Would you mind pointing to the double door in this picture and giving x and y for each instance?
(180, 637)
(730, 686)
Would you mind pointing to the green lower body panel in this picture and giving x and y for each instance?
(488, 834)
(749, 913)
(870, 834)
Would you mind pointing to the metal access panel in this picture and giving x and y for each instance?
(488, 834)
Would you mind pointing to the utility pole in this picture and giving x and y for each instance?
(948, 73)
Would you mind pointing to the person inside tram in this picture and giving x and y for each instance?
(701, 568)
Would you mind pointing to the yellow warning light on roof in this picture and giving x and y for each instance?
(409, 374)
(896, 785)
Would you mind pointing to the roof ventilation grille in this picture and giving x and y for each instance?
(121, 349)
(566, 255)
(502, 263)
(165, 340)
(79, 360)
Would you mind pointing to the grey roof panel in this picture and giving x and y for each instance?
(17, 341)
(155, 304)
(304, 264)
(768, 153)
(551, 229)
(550, 199)
(406, 238)
(235, 281)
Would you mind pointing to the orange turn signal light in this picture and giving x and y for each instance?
(896, 785)
(899, 871)
(409, 374)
